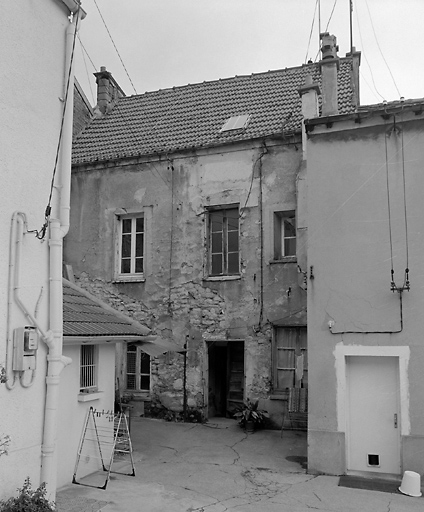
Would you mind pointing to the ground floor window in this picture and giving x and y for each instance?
(138, 369)
(88, 368)
(290, 358)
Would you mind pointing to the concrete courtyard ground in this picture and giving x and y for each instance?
(217, 467)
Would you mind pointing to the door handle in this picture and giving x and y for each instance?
(395, 421)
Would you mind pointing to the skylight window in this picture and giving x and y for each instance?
(236, 123)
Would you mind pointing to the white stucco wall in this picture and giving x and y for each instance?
(351, 308)
(32, 42)
(72, 413)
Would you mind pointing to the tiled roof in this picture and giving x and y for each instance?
(191, 116)
(86, 316)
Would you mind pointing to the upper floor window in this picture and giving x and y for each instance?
(138, 369)
(284, 234)
(88, 368)
(130, 264)
(224, 241)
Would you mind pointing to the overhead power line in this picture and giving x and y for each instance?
(365, 56)
(381, 52)
(114, 45)
(312, 28)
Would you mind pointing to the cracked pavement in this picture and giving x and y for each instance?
(217, 467)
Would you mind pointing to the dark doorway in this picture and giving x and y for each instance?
(226, 377)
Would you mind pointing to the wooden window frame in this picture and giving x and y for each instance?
(137, 374)
(134, 258)
(225, 252)
(282, 238)
(298, 350)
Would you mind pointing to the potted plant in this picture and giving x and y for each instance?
(250, 417)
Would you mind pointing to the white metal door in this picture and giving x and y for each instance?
(373, 422)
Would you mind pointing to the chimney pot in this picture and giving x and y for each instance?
(108, 91)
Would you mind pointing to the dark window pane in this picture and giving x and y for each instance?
(131, 362)
(285, 379)
(216, 242)
(216, 226)
(126, 246)
(233, 263)
(289, 227)
(144, 363)
(287, 337)
(144, 382)
(233, 241)
(125, 266)
(139, 265)
(126, 226)
(232, 219)
(286, 358)
(304, 352)
(130, 381)
(139, 225)
(139, 245)
(277, 236)
(216, 264)
(303, 338)
(290, 247)
(131, 347)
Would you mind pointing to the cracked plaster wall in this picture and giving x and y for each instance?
(176, 301)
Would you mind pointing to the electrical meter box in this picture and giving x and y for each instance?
(25, 345)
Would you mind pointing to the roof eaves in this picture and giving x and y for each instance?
(100, 339)
(140, 327)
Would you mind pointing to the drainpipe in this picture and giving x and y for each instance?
(18, 227)
(16, 238)
(58, 228)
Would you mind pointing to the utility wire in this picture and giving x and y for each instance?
(86, 52)
(40, 234)
(331, 15)
(378, 44)
(388, 207)
(367, 84)
(114, 45)
(406, 282)
(312, 28)
(365, 56)
(86, 70)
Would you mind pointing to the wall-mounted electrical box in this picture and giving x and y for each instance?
(25, 345)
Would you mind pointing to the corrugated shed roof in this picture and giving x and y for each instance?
(86, 316)
(191, 116)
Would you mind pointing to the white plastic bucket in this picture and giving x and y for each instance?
(411, 484)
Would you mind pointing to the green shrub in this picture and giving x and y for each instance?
(28, 500)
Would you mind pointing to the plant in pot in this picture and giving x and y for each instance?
(250, 417)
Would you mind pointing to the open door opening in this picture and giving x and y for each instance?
(225, 377)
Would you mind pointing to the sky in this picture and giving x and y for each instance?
(166, 43)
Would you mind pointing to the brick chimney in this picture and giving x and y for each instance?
(329, 67)
(108, 91)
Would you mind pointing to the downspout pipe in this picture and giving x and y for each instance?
(58, 228)
(18, 228)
